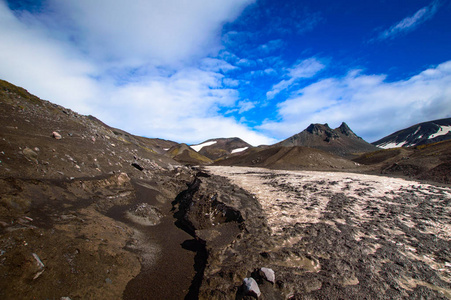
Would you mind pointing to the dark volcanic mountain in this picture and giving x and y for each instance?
(221, 148)
(428, 162)
(288, 158)
(419, 134)
(340, 141)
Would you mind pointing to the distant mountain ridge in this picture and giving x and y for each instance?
(340, 141)
(419, 134)
(186, 155)
(221, 147)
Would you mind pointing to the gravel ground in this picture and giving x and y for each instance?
(352, 236)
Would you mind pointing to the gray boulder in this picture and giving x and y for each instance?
(251, 287)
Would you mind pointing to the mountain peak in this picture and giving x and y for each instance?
(317, 128)
(341, 141)
(418, 134)
(344, 129)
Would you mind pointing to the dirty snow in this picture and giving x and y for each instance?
(200, 146)
(391, 145)
(239, 149)
(441, 131)
(390, 223)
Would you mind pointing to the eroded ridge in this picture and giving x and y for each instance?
(350, 234)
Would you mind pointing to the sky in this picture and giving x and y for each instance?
(264, 70)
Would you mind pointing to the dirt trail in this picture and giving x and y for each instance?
(353, 236)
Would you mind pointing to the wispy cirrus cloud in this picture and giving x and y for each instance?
(410, 23)
(304, 69)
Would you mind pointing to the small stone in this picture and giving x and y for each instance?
(137, 166)
(109, 281)
(123, 178)
(269, 274)
(30, 154)
(56, 135)
(251, 287)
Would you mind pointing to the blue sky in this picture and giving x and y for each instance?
(261, 70)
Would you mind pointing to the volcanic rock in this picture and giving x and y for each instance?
(269, 274)
(341, 141)
(420, 134)
(288, 158)
(251, 287)
(30, 154)
(56, 135)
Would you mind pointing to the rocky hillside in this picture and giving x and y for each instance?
(92, 212)
(51, 141)
(221, 147)
(340, 141)
(78, 203)
(428, 162)
(289, 158)
(419, 134)
(186, 155)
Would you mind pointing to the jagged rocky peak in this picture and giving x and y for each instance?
(317, 128)
(344, 129)
(323, 130)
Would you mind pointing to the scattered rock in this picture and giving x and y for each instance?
(251, 287)
(123, 178)
(30, 154)
(145, 214)
(268, 274)
(40, 266)
(137, 166)
(56, 135)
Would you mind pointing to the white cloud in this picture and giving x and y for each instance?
(28, 57)
(247, 63)
(162, 32)
(245, 106)
(89, 71)
(410, 23)
(216, 65)
(304, 69)
(371, 106)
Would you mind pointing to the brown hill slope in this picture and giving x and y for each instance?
(74, 195)
(185, 155)
(341, 141)
(289, 158)
(86, 147)
(428, 162)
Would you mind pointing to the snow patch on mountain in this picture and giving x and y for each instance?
(239, 149)
(200, 146)
(441, 131)
(392, 145)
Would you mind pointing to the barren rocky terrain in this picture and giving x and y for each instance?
(351, 236)
(92, 212)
